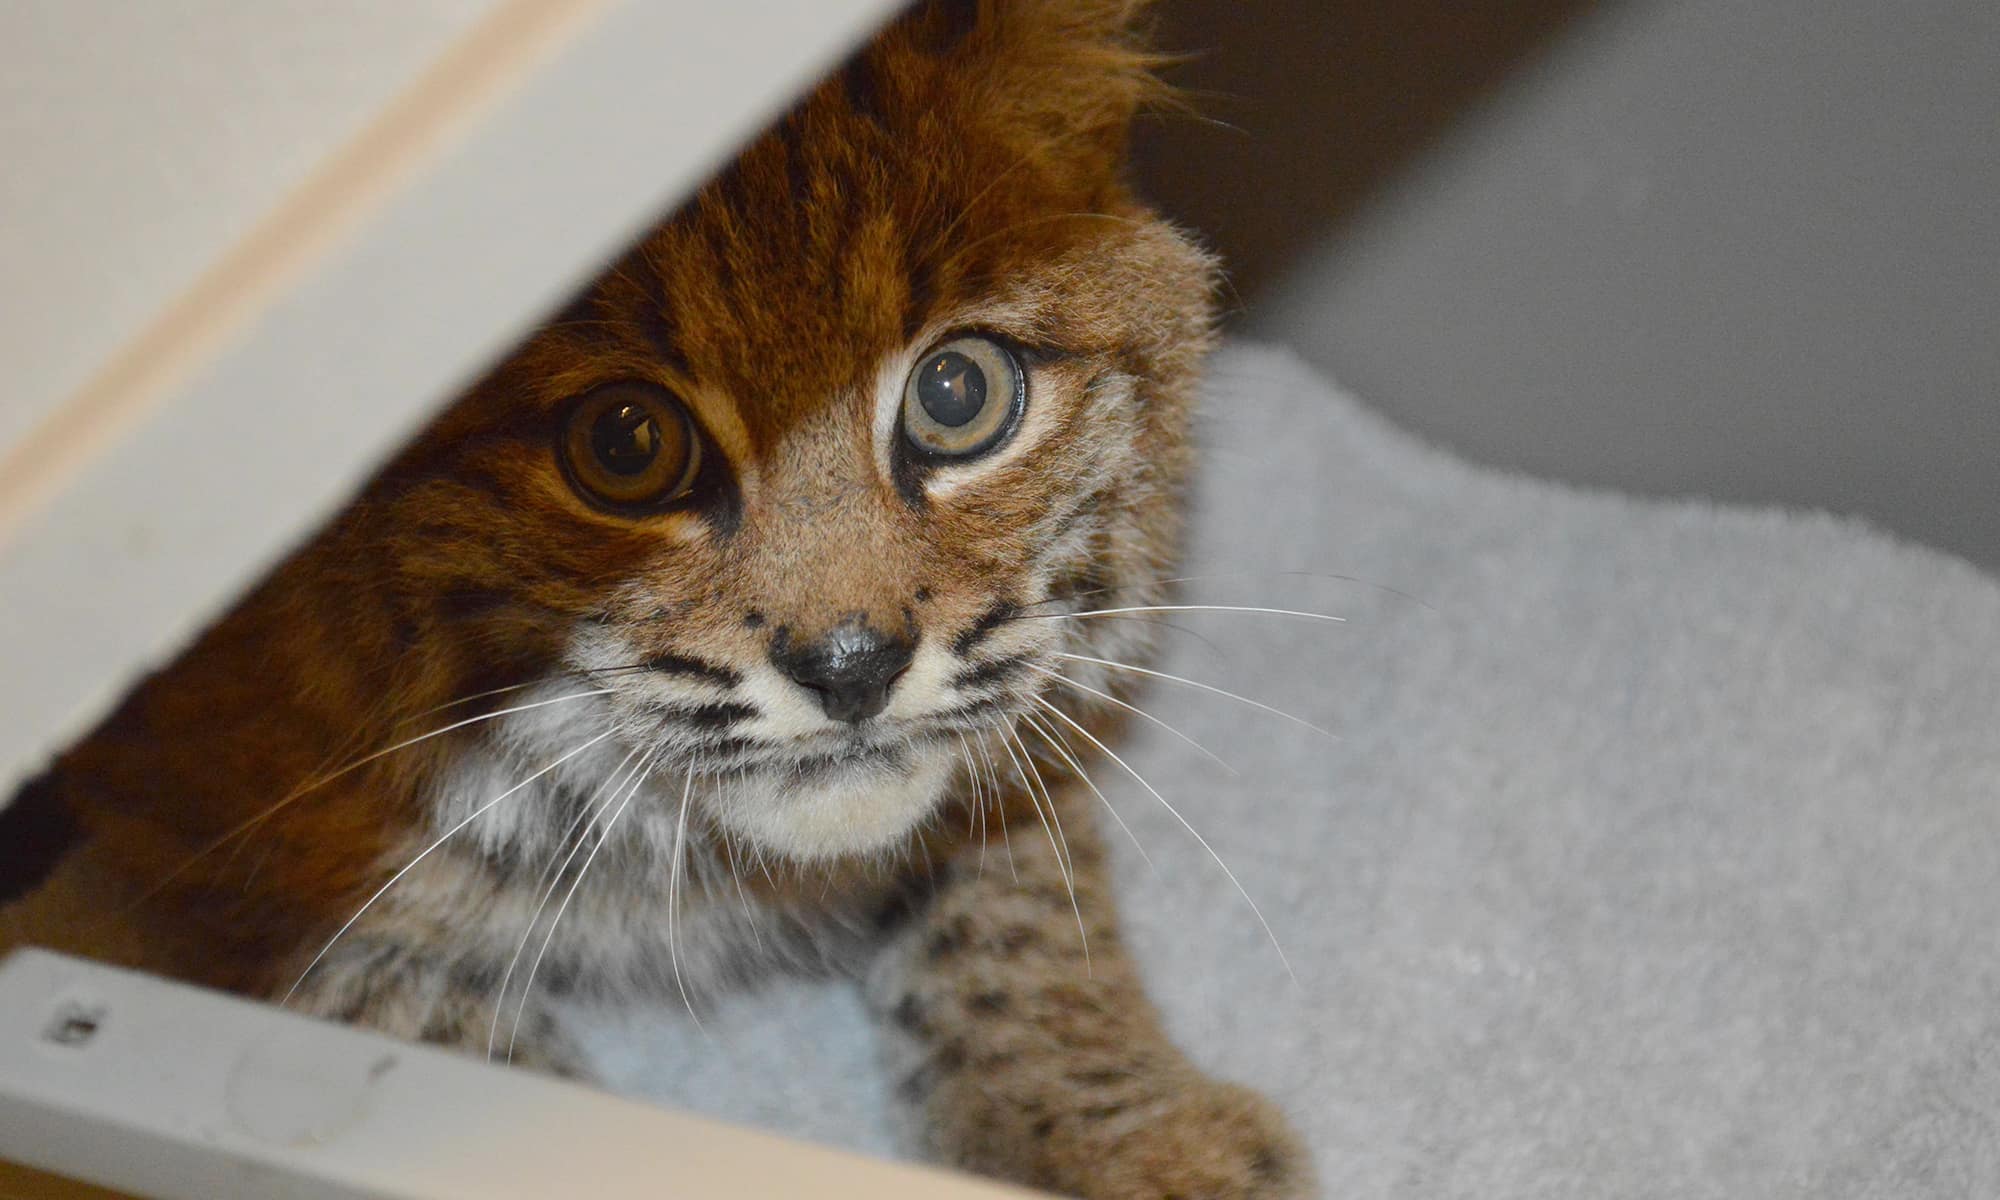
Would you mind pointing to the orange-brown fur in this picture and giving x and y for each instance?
(962, 172)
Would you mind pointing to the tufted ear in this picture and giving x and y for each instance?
(1068, 73)
(951, 21)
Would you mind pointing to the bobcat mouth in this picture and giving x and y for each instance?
(858, 790)
(854, 754)
(813, 762)
(705, 735)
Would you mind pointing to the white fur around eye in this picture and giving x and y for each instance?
(888, 393)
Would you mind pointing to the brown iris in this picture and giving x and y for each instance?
(631, 445)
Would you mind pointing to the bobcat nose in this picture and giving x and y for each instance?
(850, 670)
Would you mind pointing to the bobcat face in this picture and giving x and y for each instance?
(875, 607)
(806, 483)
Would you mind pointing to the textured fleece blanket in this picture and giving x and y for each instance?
(1658, 854)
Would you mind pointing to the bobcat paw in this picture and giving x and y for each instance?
(1199, 1141)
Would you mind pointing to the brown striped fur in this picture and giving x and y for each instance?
(962, 172)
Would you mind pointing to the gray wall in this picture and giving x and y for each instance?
(1741, 248)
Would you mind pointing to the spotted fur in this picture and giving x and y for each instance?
(624, 752)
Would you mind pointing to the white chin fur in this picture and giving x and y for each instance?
(857, 811)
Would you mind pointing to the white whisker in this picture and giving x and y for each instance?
(673, 897)
(464, 700)
(1051, 736)
(978, 797)
(552, 878)
(357, 764)
(1192, 831)
(541, 952)
(1000, 809)
(1047, 796)
(1052, 825)
(1132, 708)
(736, 877)
(1206, 687)
(1235, 575)
(1187, 608)
(305, 789)
(448, 834)
(1007, 743)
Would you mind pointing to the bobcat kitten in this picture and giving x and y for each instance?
(732, 623)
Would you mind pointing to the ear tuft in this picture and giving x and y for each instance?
(1074, 71)
(1057, 82)
(946, 23)
(940, 26)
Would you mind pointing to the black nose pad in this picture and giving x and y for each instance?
(850, 670)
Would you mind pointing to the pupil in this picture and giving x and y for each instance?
(952, 389)
(625, 439)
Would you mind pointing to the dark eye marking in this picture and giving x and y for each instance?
(679, 664)
(997, 671)
(990, 620)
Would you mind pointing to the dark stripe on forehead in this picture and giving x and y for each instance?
(583, 322)
(656, 322)
(732, 189)
(716, 224)
(839, 260)
(798, 171)
(467, 460)
(864, 95)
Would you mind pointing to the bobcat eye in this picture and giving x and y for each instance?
(963, 398)
(630, 445)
